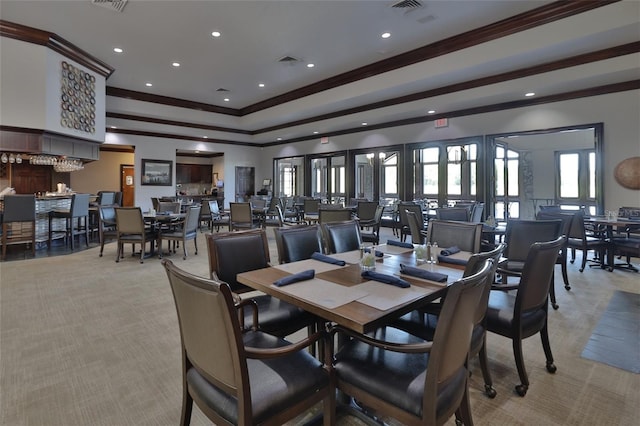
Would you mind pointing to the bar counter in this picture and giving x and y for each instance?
(44, 204)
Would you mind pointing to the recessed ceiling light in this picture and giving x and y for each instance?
(206, 137)
(364, 124)
(197, 152)
(118, 50)
(530, 94)
(431, 111)
(226, 99)
(148, 84)
(278, 139)
(176, 64)
(113, 127)
(385, 35)
(310, 65)
(316, 132)
(260, 84)
(216, 34)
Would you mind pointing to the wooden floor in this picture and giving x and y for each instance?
(87, 341)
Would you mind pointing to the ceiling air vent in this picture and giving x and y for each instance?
(115, 5)
(407, 4)
(288, 60)
(222, 89)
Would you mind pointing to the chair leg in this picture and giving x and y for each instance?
(522, 388)
(585, 252)
(486, 373)
(546, 346)
(4, 240)
(565, 275)
(184, 250)
(195, 243)
(552, 291)
(573, 255)
(86, 230)
(187, 406)
(463, 413)
(119, 244)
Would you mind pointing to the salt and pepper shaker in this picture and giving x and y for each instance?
(434, 250)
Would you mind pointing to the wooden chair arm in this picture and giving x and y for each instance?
(260, 353)
(411, 348)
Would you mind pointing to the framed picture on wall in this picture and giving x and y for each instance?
(157, 172)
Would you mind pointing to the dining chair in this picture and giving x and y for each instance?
(447, 233)
(187, 231)
(476, 213)
(76, 220)
(461, 214)
(130, 229)
(396, 374)
(366, 212)
(310, 208)
(218, 218)
(168, 207)
(238, 375)
(231, 253)
(333, 215)
(579, 240)
(524, 314)
(371, 231)
(340, 237)
(240, 216)
(520, 234)
(422, 322)
(296, 243)
(404, 222)
(107, 225)
(205, 214)
(565, 228)
(19, 222)
(418, 236)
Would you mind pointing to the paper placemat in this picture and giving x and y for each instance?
(303, 265)
(386, 296)
(389, 249)
(348, 256)
(324, 293)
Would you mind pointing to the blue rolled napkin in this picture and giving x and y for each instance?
(328, 259)
(378, 253)
(421, 273)
(449, 251)
(399, 244)
(294, 278)
(452, 260)
(384, 278)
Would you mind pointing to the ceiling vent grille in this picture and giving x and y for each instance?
(115, 5)
(222, 89)
(407, 4)
(288, 60)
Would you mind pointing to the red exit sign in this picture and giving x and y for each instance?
(442, 122)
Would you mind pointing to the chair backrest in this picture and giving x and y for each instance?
(412, 207)
(311, 205)
(416, 236)
(107, 215)
(297, 242)
(272, 205)
(451, 341)
(231, 253)
(19, 208)
(214, 209)
(155, 203)
(168, 206)
(565, 217)
(129, 220)
(79, 205)
(240, 212)
(448, 233)
(258, 203)
(476, 213)
(342, 236)
(333, 215)
(577, 229)
(118, 198)
(192, 220)
(521, 234)
(533, 288)
(474, 265)
(205, 209)
(453, 213)
(106, 198)
(210, 331)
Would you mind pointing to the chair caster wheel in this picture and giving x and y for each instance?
(459, 423)
(522, 389)
(555, 306)
(581, 269)
(490, 391)
(567, 287)
(551, 368)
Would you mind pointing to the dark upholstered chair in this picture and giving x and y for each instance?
(418, 236)
(448, 233)
(131, 230)
(168, 207)
(297, 242)
(240, 216)
(237, 375)
(218, 218)
(231, 253)
(524, 314)
(567, 220)
(418, 383)
(341, 236)
(107, 226)
(519, 236)
(76, 218)
(370, 230)
(366, 211)
(185, 232)
(404, 222)
(423, 322)
(311, 207)
(333, 215)
(476, 213)
(579, 240)
(461, 214)
(19, 222)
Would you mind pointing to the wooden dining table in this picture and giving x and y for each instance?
(341, 295)
(608, 224)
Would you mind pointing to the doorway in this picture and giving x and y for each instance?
(245, 183)
(127, 173)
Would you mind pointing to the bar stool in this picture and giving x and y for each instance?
(79, 209)
(19, 210)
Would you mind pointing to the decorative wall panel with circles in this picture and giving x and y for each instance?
(77, 99)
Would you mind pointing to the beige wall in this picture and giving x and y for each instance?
(102, 175)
